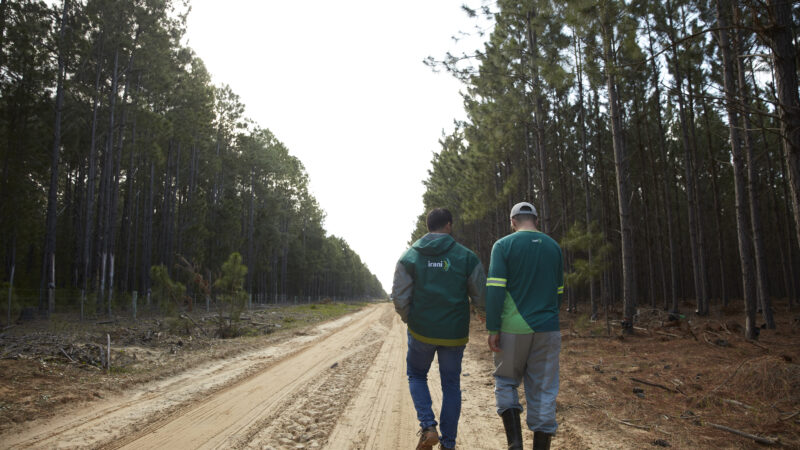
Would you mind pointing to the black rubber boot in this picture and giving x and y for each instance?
(541, 440)
(513, 428)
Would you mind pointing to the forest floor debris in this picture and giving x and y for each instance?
(695, 389)
(52, 363)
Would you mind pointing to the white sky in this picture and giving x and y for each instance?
(343, 85)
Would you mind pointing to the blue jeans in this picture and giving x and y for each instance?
(418, 362)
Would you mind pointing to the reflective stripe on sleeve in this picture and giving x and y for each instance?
(498, 282)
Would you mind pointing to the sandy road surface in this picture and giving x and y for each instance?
(341, 386)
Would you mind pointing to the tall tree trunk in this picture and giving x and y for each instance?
(623, 191)
(147, 257)
(666, 179)
(250, 232)
(52, 196)
(92, 177)
(538, 117)
(651, 166)
(644, 194)
(762, 287)
(77, 223)
(784, 234)
(585, 174)
(745, 251)
(782, 221)
(106, 191)
(12, 268)
(785, 60)
(717, 208)
(128, 218)
(177, 223)
(699, 207)
(112, 222)
(697, 266)
(787, 223)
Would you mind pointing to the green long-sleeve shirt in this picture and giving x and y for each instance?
(525, 284)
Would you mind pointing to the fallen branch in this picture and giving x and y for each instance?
(669, 334)
(759, 439)
(715, 334)
(186, 316)
(689, 329)
(757, 344)
(790, 415)
(641, 427)
(106, 322)
(655, 385)
(589, 404)
(68, 357)
(737, 403)
(731, 375)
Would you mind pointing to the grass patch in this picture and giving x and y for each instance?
(584, 325)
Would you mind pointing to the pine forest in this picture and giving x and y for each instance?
(119, 155)
(660, 142)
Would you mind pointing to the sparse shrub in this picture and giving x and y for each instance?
(166, 292)
(180, 326)
(231, 294)
(582, 239)
(582, 323)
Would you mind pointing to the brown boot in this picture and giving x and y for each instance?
(428, 437)
(541, 440)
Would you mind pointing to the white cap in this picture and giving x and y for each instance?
(524, 208)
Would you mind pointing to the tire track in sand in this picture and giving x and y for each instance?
(224, 417)
(382, 415)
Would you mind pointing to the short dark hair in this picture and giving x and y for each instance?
(438, 218)
(526, 218)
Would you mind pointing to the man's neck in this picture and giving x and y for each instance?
(527, 228)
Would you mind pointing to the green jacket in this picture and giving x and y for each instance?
(525, 284)
(432, 283)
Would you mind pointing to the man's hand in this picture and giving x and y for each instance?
(494, 342)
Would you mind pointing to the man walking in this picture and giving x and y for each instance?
(431, 283)
(525, 285)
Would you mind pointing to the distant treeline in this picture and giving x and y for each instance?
(118, 154)
(673, 126)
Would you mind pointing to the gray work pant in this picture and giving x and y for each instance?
(534, 359)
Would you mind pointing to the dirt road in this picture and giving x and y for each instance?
(341, 385)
